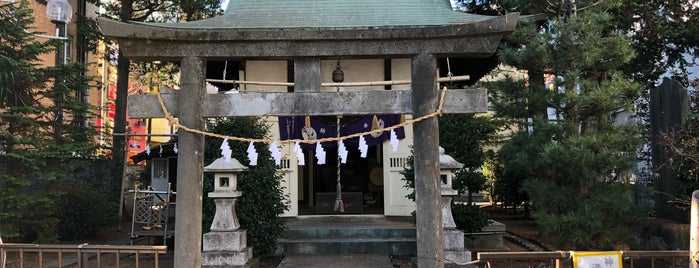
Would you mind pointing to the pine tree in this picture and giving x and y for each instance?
(21, 160)
(463, 136)
(569, 152)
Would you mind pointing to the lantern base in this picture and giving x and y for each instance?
(226, 249)
(225, 241)
(241, 258)
(456, 258)
(454, 250)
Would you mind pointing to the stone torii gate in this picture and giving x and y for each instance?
(420, 30)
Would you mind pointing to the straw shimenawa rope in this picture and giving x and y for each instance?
(175, 124)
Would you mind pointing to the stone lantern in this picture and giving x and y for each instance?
(447, 166)
(454, 250)
(226, 244)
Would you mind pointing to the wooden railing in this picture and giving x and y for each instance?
(562, 259)
(38, 255)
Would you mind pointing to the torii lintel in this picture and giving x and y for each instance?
(308, 103)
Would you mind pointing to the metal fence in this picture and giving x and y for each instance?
(562, 259)
(98, 256)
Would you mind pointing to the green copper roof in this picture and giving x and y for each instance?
(269, 14)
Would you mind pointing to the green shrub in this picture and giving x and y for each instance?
(598, 219)
(409, 176)
(469, 218)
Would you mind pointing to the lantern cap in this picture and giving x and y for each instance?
(448, 162)
(221, 165)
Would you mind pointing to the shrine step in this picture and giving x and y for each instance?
(347, 235)
(390, 246)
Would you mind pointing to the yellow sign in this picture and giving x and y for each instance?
(601, 259)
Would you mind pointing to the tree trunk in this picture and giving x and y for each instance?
(527, 211)
(122, 92)
(119, 142)
(537, 81)
(572, 8)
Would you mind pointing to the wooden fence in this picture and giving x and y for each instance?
(562, 259)
(84, 255)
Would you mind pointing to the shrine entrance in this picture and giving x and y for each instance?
(362, 184)
(313, 186)
(308, 32)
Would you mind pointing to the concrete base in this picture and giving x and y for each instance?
(226, 249)
(490, 238)
(457, 256)
(225, 241)
(454, 251)
(336, 261)
(252, 263)
(453, 239)
(226, 258)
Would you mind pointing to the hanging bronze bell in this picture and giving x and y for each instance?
(338, 74)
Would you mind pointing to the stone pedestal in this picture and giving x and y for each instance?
(454, 250)
(225, 241)
(226, 244)
(226, 249)
(490, 238)
(225, 219)
(227, 258)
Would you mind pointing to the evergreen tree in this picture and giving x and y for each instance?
(463, 137)
(568, 152)
(146, 11)
(20, 156)
(664, 33)
(38, 153)
(665, 38)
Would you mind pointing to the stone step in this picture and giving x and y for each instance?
(390, 246)
(341, 233)
(336, 261)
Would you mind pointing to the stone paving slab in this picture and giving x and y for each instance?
(336, 261)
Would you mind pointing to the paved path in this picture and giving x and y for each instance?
(336, 261)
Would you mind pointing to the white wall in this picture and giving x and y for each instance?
(395, 202)
(268, 71)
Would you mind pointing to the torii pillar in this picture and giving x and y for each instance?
(430, 236)
(190, 164)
